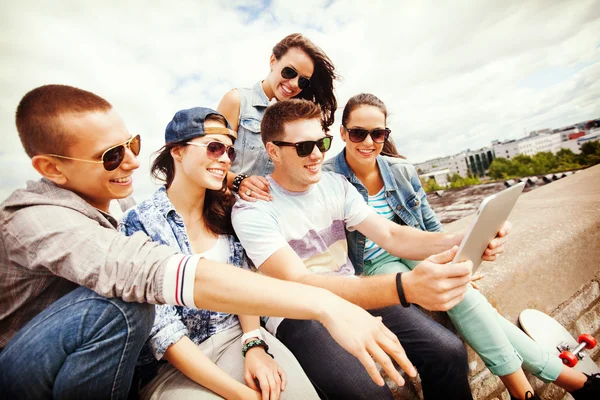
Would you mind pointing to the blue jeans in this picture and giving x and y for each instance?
(439, 356)
(82, 346)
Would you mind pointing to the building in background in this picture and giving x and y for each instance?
(440, 176)
(506, 150)
(455, 164)
(477, 162)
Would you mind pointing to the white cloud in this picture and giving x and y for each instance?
(453, 74)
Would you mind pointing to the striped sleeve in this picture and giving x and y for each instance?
(179, 280)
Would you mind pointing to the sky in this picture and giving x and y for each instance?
(453, 74)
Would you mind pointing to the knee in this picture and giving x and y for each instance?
(139, 318)
(453, 351)
(134, 318)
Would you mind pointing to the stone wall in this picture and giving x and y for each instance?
(552, 263)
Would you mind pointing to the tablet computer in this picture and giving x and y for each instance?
(490, 217)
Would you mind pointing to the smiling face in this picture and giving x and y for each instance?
(277, 86)
(96, 132)
(293, 172)
(193, 164)
(364, 117)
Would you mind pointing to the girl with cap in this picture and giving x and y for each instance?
(210, 354)
(392, 187)
(299, 69)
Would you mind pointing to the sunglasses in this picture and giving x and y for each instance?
(113, 156)
(357, 135)
(291, 73)
(303, 149)
(214, 150)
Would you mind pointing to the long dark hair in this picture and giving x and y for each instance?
(367, 99)
(321, 82)
(216, 214)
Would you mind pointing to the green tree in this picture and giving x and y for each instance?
(590, 153)
(523, 165)
(457, 181)
(567, 160)
(544, 163)
(430, 185)
(501, 168)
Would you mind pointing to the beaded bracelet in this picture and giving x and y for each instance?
(237, 181)
(400, 290)
(256, 343)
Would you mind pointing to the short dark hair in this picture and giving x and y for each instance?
(283, 112)
(321, 82)
(38, 116)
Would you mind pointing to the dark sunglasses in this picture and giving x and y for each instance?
(113, 156)
(303, 149)
(214, 150)
(291, 73)
(357, 135)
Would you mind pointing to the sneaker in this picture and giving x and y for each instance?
(590, 389)
(528, 396)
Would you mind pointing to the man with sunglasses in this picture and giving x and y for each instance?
(72, 288)
(300, 236)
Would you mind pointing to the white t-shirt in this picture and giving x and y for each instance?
(219, 252)
(312, 223)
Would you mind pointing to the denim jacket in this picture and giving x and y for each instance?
(158, 219)
(252, 158)
(403, 192)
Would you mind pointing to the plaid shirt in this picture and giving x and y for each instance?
(52, 241)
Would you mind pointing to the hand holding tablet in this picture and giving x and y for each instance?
(491, 216)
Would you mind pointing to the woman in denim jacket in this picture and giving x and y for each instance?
(299, 69)
(392, 187)
(192, 214)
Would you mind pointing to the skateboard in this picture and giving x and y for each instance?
(554, 337)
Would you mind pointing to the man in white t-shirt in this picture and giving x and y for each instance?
(300, 236)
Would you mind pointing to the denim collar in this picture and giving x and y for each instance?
(259, 98)
(162, 203)
(343, 168)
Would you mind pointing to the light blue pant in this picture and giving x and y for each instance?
(502, 346)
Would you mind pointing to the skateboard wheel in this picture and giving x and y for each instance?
(568, 358)
(590, 341)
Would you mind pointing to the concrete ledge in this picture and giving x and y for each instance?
(552, 263)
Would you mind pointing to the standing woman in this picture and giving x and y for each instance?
(391, 186)
(299, 69)
(210, 354)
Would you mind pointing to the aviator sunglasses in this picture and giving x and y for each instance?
(291, 73)
(303, 149)
(113, 156)
(214, 150)
(357, 135)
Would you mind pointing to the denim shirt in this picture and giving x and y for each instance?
(252, 157)
(158, 219)
(404, 194)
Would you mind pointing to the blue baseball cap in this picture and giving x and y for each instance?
(189, 124)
